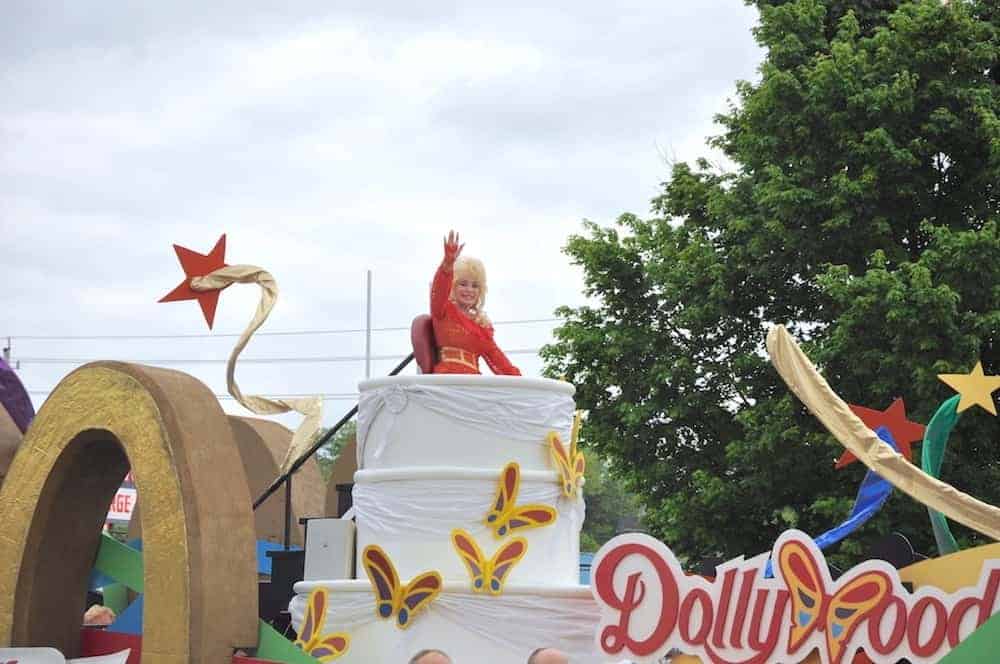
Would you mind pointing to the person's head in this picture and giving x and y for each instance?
(430, 656)
(468, 285)
(548, 656)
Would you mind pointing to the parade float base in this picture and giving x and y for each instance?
(95, 642)
(470, 627)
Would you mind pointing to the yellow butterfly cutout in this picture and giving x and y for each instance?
(570, 464)
(507, 517)
(488, 575)
(312, 641)
(391, 598)
(838, 611)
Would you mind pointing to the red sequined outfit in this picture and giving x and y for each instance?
(461, 340)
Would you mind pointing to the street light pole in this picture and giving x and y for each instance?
(368, 326)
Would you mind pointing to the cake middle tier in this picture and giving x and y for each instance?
(412, 513)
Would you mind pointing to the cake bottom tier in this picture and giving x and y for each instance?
(470, 627)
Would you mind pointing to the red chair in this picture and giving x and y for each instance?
(424, 347)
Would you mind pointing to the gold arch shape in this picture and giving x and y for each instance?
(198, 536)
(262, 445)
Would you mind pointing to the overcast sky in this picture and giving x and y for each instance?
(326, 139)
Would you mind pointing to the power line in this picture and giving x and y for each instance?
(336, 396)
(242, 360)
(276, 333)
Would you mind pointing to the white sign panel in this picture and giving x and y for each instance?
(122, 505)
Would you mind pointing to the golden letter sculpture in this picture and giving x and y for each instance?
(198, 527)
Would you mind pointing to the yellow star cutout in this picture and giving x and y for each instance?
(975, 388)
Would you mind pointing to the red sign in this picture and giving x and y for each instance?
(650, 606)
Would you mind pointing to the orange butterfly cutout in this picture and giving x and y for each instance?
(324, 647)
(570, 464)
(838, 614)
(488, 575)
(506, 516)
(393, 598)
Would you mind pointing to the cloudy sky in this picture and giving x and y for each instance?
(326, 139)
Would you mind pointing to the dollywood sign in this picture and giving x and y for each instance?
(649, 606)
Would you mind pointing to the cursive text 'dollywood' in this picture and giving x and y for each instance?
(649, 606)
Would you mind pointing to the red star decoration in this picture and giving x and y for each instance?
(903, 431)
(198, 265)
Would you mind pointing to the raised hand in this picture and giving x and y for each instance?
(451, 247)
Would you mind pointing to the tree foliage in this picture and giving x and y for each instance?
(862, 212)
(327, 455)
(610, 508)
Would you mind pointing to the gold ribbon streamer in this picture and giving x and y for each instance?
(311, 408)
(809, 386)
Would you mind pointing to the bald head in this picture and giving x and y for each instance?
(430, 657)
(548, 656)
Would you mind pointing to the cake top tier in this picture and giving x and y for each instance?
(473, 381)
(465, 421)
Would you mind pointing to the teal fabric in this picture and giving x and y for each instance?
(931, 457)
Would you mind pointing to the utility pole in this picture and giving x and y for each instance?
(6, 352)
(368, 326)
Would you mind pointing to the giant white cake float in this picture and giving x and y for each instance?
(468, 509)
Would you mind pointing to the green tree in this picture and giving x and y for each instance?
(610, 508)
(862, 212)
(328, 453)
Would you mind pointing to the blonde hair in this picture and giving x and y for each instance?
(474, 269)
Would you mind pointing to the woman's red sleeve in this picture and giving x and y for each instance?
(498, 362)
(440, 290)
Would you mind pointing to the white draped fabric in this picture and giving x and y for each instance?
(513, 624)
(517, 414)
(347, 612)
(526, 622)
(432, 508)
